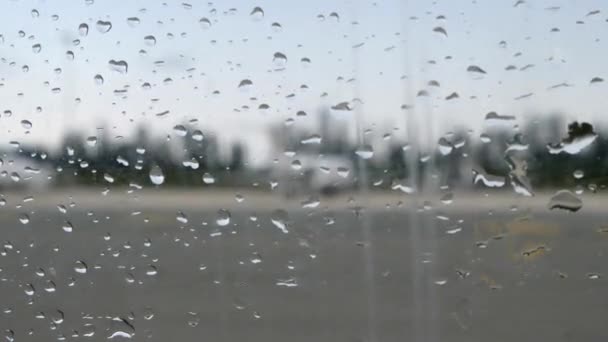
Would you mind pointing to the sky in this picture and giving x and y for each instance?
(382, 53)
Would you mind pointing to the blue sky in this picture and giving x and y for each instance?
(238, 47)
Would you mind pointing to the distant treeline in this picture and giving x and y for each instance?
(195, 160)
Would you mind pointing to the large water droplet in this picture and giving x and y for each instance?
(133, 21)
(208, 178)
(98, 79)
(365, 152)
(180, 130)
(566, 200)
(223, 217)
(24, 218)
(26, 124)
(119, 66)
(257, 13)
(197, 135)
(83, 29)
(579, 137)
(103, 26)
(156, 175)
(279, 59)
(80, 267)
(150, 40)
(120, 328)
(205, 23)
(36, 48)
(279, 219)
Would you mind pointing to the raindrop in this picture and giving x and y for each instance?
(80, 267)
(24, 218)
(193, 319)
(245, 84)
(35, 13)
(156, 175)
(150, 40)
(566, 200)
(276, 27)
(290, 282)
(342, 106)
(490, 181)
(120, 328)
(279, 219)
(36, 48)
(181, 217)
(205, 23)
(103, 26)
(492, 119)
(257, 13)
(197, 135)
(26, 124)
(475, 69)
(365, 152)
(91, 141)
(279, 59)
(29, 289)
(578, 174)
(208, 178)
(98, 79)
(444, 146)
(67, 227)
(223, 217)
(119, 66)
(83, 29)
(180, 130)
(441, 30)
(596, 80)
(579, 137)
(151, 270)
(133, 21)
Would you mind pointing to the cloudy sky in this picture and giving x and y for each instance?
(383, 53)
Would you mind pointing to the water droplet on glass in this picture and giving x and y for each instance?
(475, 69)
(156, 175)
(223, 217)
(35, 13)
(36, 48)
(193, 319)
(24, 218)
(181, 217)
(197, 135)
(119, 66)
(83, 29)
(98, 79)
(80, 267)
(103, 26)
(180, 130)
(133, 21)
(150, 40)
(205, 23)
(276, 27)
(257, 13)
(279, 59)
(279, 219)
(245, 84)
(26, 124)
(67, 227)
(579, 137)
(120, 329)
(578, 174)
(566, 200)
(91, 141)
(365, 152)
(208, 178)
